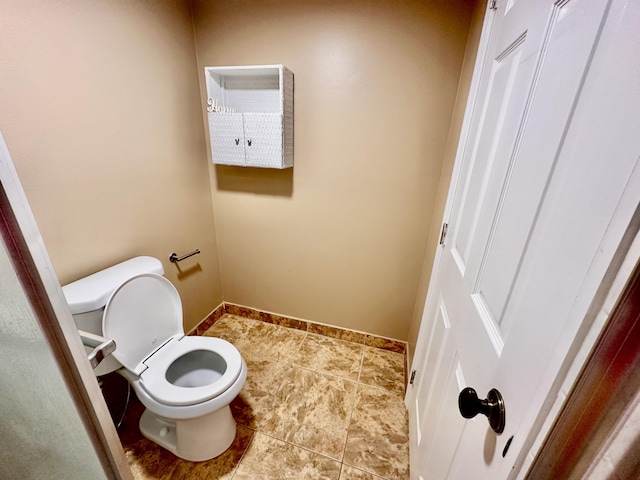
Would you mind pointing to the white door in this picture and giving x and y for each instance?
(544, 189)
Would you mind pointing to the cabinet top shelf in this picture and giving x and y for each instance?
(249, 89)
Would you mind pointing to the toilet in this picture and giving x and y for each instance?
(186, 383)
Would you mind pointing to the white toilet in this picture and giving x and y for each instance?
(186, 383)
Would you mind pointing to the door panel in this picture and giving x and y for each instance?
(488, 158)
(439, 385)
(448, 425)
(434, 383)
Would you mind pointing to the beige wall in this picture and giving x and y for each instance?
(340, 238)
(99, 106)
(445, 175)
(101, 112)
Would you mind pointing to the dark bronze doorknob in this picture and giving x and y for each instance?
(492, 407)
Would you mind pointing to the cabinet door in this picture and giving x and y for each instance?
(227, 138)
(263, 139)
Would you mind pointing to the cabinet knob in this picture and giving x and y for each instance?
(249, 142)
(237, 141)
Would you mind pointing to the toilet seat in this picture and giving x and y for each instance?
(144, 317)
(154, 379)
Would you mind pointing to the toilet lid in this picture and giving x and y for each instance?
(141, 315)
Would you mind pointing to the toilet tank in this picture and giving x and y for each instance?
(88, 296)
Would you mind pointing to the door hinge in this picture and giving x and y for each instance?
(492, 5)
(413, 377)
(443, 233)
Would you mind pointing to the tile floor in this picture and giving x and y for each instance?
(312, 408)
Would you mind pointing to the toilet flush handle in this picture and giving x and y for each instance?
(102, 347)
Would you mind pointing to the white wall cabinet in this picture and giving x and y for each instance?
(250, 112)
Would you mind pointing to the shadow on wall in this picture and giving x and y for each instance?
(262, 181)
(187, 272)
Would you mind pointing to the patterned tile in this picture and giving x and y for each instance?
(273, 343)
(312, 410)
(258, 340)
(383, 369)
(378, 440)
(327, 355)
(268, 458)
(268, 351)
(255, 401)
(149, 461)
(232, 328)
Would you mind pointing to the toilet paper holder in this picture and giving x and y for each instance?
(175, 258)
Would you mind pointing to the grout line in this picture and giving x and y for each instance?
(299, 446)
(253, 436)
(359, 469)
(332, 375)
(304, 339)
(361, 363)
(346, 440)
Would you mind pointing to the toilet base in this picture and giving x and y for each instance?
(195, 439)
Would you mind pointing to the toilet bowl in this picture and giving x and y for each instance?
(186, 383)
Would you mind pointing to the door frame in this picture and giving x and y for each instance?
(557, 418)
(42, 288)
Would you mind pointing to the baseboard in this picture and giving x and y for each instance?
(331, 331)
